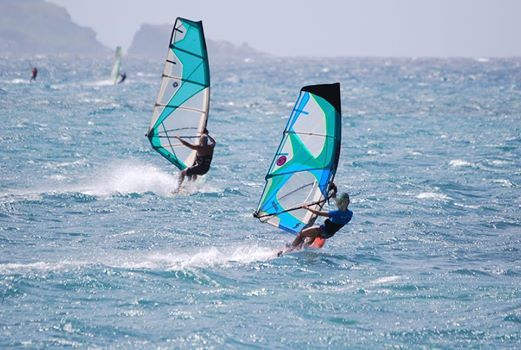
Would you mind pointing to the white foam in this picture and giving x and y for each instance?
(16, 196)
(232, 79)
(141, 74)
(95, 100)
(468, 206)
(384, 280)
(122, 178)
(68, 327)
(41, 266)
(79, 162)
(204, 257)
(171, 261)
(503, 182)
(57, 177)
(433, 196)
(131, 177)
(457, 163)
(106, 82)
(198, 186)
(414, 153)
(19, 81)
(499, 162)
(124, 233)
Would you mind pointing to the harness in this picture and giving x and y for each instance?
(332, 227)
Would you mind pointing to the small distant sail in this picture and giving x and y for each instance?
(306, 160)
(181, 109)
(114, 75)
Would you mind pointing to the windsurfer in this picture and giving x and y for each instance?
(34, 73)
(123, 76)
(336, 219)
(203, 157)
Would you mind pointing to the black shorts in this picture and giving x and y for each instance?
(324, 234)
(197, 169)
(328, 229)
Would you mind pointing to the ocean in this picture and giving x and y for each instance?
(97, 252)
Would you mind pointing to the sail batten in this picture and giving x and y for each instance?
(181, 107)
(184, 96)
(305, 162)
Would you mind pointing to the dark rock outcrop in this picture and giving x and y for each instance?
(151, 41)
(29, 27)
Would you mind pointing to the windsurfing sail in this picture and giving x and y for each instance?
(181, 108)
(114, 75)
(305, 162)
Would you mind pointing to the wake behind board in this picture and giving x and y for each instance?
(318, 243)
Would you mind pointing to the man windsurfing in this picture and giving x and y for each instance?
(203, 157)
(122, 76)
(336, 219)
(34, 73)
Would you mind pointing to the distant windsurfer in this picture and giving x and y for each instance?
(123, 76)
(336, 219)
(34, 73)
(203, 157)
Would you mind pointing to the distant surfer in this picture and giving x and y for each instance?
(336, 219)
(123, 76)
(34, 73)
(203, 157)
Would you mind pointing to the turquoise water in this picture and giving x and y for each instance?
(96, 252)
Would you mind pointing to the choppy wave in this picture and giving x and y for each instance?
(96, 251)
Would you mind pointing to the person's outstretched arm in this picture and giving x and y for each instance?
(187, 144)
(316, 212)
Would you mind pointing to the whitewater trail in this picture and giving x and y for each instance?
(121, 178)
(173, 260)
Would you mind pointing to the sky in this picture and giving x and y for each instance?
(390, 28)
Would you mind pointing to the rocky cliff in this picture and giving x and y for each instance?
(30, 27)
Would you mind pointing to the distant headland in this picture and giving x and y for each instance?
(32, 27)
(29, 27)
(151, 41)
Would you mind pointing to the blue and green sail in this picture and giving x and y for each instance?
(306, 160)
(181, 108)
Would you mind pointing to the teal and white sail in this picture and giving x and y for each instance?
(181, 108)
(114, 75)
(305, 162)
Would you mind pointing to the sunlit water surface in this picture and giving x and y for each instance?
(96, 251)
